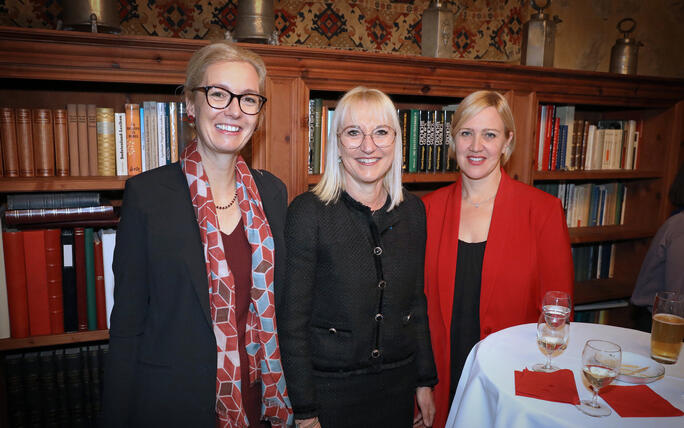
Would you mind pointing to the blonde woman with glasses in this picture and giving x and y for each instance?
(352, 313)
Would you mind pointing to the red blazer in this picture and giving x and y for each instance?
(527, 254)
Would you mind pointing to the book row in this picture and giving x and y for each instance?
(593, 261)
(58, 280)
(425, 137)
(86, 140)
(568, 143)
(55, 388)
(590, 204)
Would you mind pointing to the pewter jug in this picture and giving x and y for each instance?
(625, 52)
(539, 35)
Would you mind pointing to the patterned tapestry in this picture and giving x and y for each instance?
(483, 29)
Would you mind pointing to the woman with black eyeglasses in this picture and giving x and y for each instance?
(200, 250)
(352, 313)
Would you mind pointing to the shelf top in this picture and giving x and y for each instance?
(57, 184)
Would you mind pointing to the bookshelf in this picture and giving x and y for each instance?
(48, 68)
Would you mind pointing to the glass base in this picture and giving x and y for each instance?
(586, 407)
(541, 367)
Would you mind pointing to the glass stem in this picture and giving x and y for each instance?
(594, 400)
(548, 362)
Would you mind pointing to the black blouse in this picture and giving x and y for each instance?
(465, 316)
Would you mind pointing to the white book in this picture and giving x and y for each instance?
(161, 134)
(635, 151)
(571, 205)
(570, 122)
(120, 133)
(108, 237)
(151, 134)
(143, 140)
(173, 131)
(4, 303)
(541, 128)
(589, 158)
(629, 148)
(597, 155)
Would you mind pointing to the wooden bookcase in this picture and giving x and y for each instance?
(46, 68)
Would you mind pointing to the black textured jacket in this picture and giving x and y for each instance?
(353, 299)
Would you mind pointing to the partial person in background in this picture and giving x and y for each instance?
(663, 267)
(352, 314)
(199, 251)
(495, 246)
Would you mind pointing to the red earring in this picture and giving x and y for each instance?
(191, 118)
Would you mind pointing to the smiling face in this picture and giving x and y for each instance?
(479, 144)
(224, 131)
(368, 163)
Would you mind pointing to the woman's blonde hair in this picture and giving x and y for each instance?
(332, 183)
(474, 104)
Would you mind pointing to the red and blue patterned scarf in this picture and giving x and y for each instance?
(261, 334)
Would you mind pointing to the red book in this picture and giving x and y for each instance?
(36, 282)
(81, 299)
(13, 245)
(99, 284)
(548, 131)
(555, 149)
(53, 259)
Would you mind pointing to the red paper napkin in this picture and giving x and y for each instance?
(557, 386)
(638, 401)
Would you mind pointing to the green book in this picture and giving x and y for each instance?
(413, 140)
(318, 110)
(90, 279)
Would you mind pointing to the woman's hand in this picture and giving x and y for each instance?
(426, 407)
(308, 423)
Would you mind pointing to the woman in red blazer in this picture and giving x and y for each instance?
(494, 245)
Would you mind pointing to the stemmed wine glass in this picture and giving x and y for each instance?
(601, 362)
(553, 329)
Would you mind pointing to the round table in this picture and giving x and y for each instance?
(485, 396)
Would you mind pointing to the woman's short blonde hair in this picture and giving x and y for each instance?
(474, 104)
(218, 52)
(332, 183)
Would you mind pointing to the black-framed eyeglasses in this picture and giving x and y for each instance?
(220, 98)
(351, 137)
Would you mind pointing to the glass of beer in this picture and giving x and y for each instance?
(667, 329)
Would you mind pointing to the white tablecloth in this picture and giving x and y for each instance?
(485, 396)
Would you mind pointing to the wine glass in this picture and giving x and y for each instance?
(552, 339)
(556, 307)
(601, 362)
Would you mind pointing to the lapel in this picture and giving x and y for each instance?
(189, 238)
(495, 250)
(448, 248)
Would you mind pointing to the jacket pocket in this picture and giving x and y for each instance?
(332, 345)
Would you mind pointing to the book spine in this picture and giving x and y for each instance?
(318, 111)
(16, 392)
(173, 130)
(8, 134)
(91, 120)
(43, 143)
(430, 144)
(82, 131)
(36, 282)
(324, 136)
(423, 141)
(143, 141)
(448, 141)
(540, 138)
(19, 217)
(438, 137)
(25, 201)
(120, 137)
(161, 134)
(100, 302)
(69, 293)
(80, 262)
(152, 160)
(25, 142)
(555, 145)
(414, 140)
(15, 274)
(186, 133)
(73, 365)
(4, 304)
(60, 385)
(90, 279)
(133, 149)
(108, 244)
(48, 388)
(106, 142)
(72, 125)
(61, 143)
(404, 122)
(53, 261)
(32, 388)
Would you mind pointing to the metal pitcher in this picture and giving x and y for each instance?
(625, 52)
(255, 21)
(539, 35)
(91, 15)
(437, 33)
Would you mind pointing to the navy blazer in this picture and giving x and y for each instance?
(161, 365)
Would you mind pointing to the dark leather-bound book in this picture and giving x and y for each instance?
(99, 284)
(53, 260)
(72, 125)
(53, 215)
(69, 294)
(16, 394)
(73, 363)
(91, 119)
(32, 389)
(27, 201)
(104, 223)
(61, 142)
(94, 364)
(25, 142)
(43, 143)
(61, 388)
(90, 279)
(36, 282)
(8, 135)
(80, 262)
(15, 274)
(86, 380)
(82, 132)
(48, 388)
